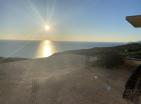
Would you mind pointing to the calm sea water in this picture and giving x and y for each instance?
(38, 49)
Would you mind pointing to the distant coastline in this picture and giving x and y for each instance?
(130, 50)
(40, 49)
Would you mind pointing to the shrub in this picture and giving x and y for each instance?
(109, 59)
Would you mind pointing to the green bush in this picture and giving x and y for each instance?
(109, 59)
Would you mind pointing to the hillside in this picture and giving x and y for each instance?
(127, 50)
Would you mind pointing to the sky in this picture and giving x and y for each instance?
(69, 20)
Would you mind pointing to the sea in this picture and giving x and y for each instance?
(45, 48)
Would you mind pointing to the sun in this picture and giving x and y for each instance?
(47, 27)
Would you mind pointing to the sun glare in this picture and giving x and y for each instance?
(45, 49)
(47, 27)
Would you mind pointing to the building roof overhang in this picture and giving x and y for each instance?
(134, 20)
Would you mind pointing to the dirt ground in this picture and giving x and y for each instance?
(61, 79)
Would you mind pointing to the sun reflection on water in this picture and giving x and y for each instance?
(45, 49)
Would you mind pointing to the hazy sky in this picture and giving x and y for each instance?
(82, 20)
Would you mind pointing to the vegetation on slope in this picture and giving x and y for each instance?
(112, 56)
